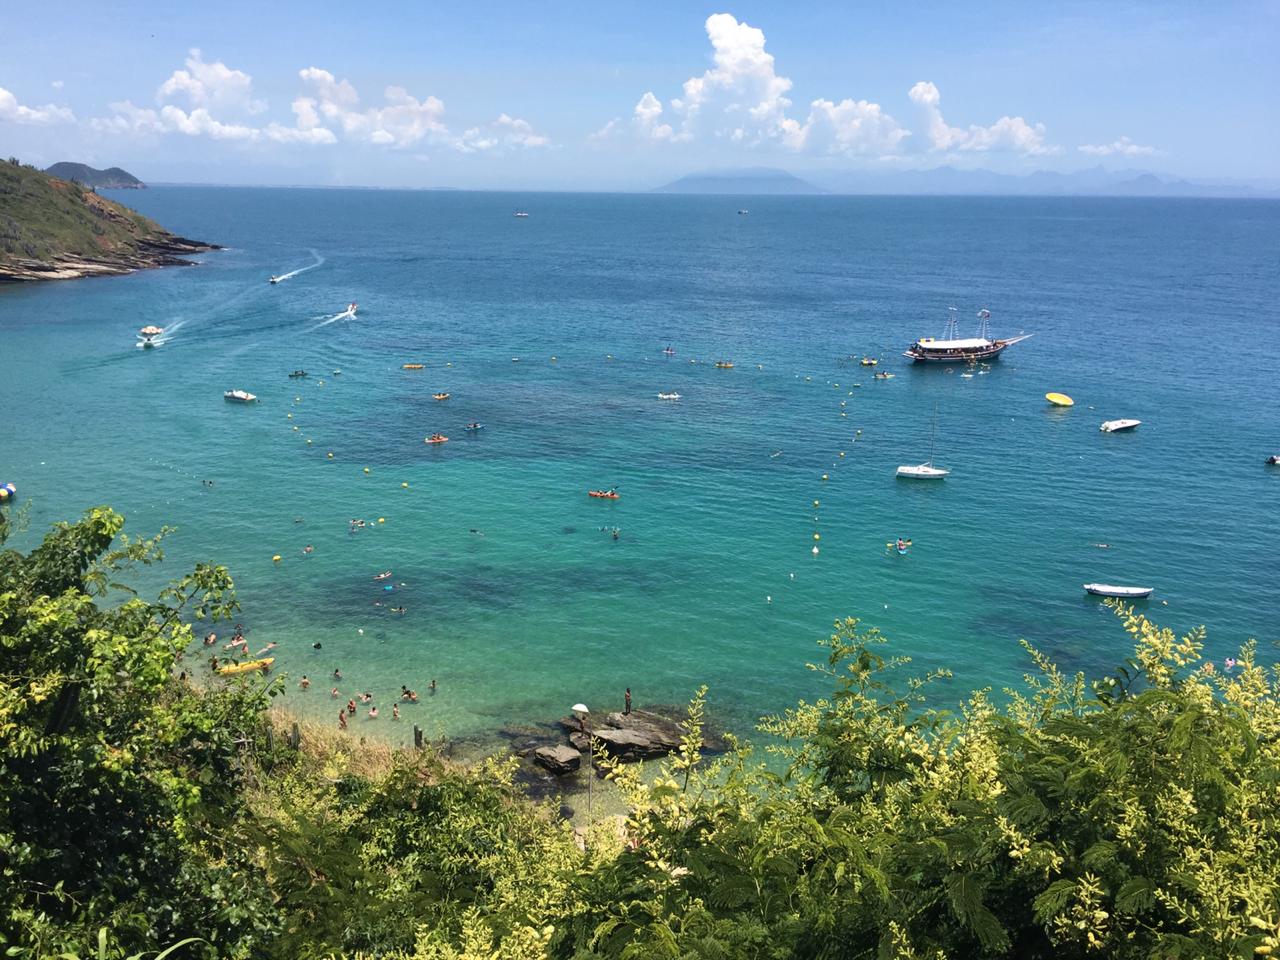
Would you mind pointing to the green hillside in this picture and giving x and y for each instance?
(55, 229)
(113, 178)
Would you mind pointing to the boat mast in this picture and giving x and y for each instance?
(984, 328)
(950, 332)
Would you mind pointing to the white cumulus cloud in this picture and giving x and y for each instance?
(402, 121)
(647, 119)
(1007, 133)
(848, 127)
(504, 132)
(743, 99)
(14, 112)
(211, 85)
(1124, 147)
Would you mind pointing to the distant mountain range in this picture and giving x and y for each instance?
(950, 181)
(113, 178)
(750, 181)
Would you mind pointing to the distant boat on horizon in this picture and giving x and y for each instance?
(520, 213)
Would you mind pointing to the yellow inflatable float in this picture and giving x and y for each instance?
(1059, 399)
(264, 665)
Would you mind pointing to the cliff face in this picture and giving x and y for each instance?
(113, 178)
(53, 229)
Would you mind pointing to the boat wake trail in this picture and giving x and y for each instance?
(293, 273)
(344, 315)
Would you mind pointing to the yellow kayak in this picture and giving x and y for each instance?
(1059, 399)
(263, 665)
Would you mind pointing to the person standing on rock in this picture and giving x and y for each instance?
(626, 710)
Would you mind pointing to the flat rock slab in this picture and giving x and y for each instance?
(638, 735)
(558, 758)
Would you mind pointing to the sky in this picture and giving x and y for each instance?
(604, 96)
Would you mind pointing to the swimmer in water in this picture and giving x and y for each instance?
(334, 693)
(316, 645)
(304, 683)
(395, 711)
(308, 548)
(432, 687)
(342, 719)
(337, 674)
(478, 533)
(373, 713)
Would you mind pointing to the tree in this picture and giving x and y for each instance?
(116, 778)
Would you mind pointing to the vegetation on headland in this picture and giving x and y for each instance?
(112, 178)
(1132, 816)
(53, 229)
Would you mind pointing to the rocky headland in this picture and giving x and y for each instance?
(54, 229)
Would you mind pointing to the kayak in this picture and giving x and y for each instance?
(264, 665)
(439, 396)
(411, 366)
(603, 494)
(436, 439)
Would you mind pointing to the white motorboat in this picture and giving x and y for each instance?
(520, 213)
(274, 280)
(668, 396)
(1120, 593)
(240, 396)
(926, 470)
(1114, 426)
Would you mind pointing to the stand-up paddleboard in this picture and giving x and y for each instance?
(1059, 399)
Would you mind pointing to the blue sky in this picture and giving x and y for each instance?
(612, 96)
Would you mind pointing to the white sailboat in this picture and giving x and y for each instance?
(926, 470)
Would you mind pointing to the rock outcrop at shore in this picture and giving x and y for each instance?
(629, 737)
(558, 759)
(52, 229)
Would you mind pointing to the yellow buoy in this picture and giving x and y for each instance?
(448, 364)
(289, 416)
(815, 503)
(295, 427)
(310, 441)
(330, 454)
(1059, 399)
(366, 469)
(859, 433)
(842, 453)
(382, 519)
(297, 399)
(817, 536)
(404, 485)
(276, 558)
(824, 476)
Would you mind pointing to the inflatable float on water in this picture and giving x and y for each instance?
(264, 665)
(7, 492)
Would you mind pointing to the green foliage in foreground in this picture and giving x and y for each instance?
(42, 216)
(1134, 816)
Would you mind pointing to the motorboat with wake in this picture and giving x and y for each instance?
(240, 396)
(950, 348)
(926, 470)
(147, 337)
(668, 396)
(1118, 592)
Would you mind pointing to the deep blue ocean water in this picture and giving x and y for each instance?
(517, 601)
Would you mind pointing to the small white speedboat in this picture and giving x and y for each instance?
(1114, 426)
(240, 396)
(922, 471)
(1120, 593)
(668, 396)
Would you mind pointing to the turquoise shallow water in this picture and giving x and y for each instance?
(1161, 310)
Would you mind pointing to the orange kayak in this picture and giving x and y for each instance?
(436, 439)
(603, 494)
